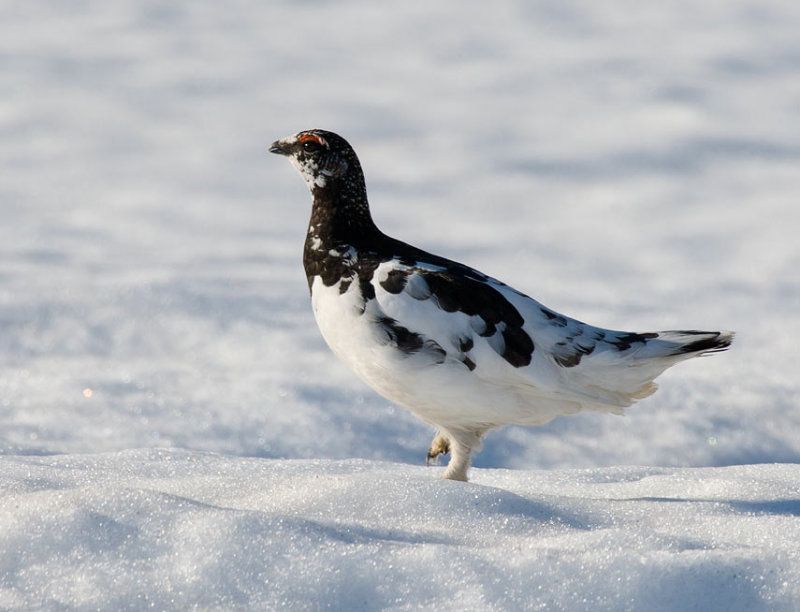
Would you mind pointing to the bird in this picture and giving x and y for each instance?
(464, 352)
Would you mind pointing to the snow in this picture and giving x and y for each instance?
(631, 165)
(176, 529)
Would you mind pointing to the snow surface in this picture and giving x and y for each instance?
(175, 529)
(634, 165)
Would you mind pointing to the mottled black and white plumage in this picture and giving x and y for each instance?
(459, 349)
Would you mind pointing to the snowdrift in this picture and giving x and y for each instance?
(172, 529)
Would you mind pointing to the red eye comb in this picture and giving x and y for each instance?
(311, 138)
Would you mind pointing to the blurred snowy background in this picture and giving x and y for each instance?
(637, 167)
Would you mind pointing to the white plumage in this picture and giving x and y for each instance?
(461, 350)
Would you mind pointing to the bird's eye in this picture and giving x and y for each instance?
(310, 146)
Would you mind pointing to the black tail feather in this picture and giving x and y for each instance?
(712, 342)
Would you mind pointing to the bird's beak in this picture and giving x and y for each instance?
(279, 147)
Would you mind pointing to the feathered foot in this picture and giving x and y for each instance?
(462, 443)
(439, 446)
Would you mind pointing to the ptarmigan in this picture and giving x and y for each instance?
(459, 349)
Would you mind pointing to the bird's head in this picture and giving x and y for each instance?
(323, 158)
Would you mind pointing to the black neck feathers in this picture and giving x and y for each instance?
(340, 212)
(340, 219)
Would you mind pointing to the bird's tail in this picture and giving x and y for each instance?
(670, 347)
(684, 344)
(618, 379)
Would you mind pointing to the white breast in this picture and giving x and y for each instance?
(353, 334)
(341, 322)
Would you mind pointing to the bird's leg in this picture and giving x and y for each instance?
(439, 446)
(461, 446)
